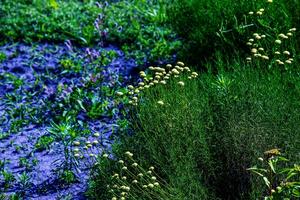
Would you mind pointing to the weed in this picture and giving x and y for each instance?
(281, 182)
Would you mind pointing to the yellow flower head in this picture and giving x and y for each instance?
(181, 83)
(278, 41)
(161, 103)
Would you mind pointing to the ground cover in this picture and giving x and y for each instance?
(90, 107)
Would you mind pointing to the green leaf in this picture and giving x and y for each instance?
(267, 182)
(271, 166)
(81, 105)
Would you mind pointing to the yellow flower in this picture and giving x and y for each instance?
(163, 82)
(119, 93)
(258, 37)
(97, 134)
(134, 165)
(129, 154)
(161, 103)
(77, 155)
(259, 13)
(168, 65)
(251, 13)
(277, 52)
(105, 155)
(151, 68)
(261, 49)
(253, 50)
(180, 63)
(130, 87)
(286, 53)
(290, 34)
(181, 83)
(265, 57)
(270, 1)
(288, 61)
(95, 142)
(293, 29)
(135, 98)
(278, 41)
(76, 143)
(194, 73)
(261, 10)
(282, 36)
(174, 71)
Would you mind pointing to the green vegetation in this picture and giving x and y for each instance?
(195, 130)
(47, 20)
(223, 25)
(282, 183)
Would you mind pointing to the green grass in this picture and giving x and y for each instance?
(210, 131)
(223, 25)
(41, 20)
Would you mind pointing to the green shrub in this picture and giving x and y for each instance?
(45, 20)
(223, 25)
(207, 133)
(126, 179)
(280, 182)
(141, 30)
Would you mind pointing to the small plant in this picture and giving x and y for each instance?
(68, 177)
(281, 182)
(2, 57)
(130, 180)
(8, 178)
(24, 179)
(66, 133)
(44, 142)
(68, 66)
(24, 162)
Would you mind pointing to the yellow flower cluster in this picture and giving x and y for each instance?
(88, 148)
(132, 180)
(155, 76)
(281, 58)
